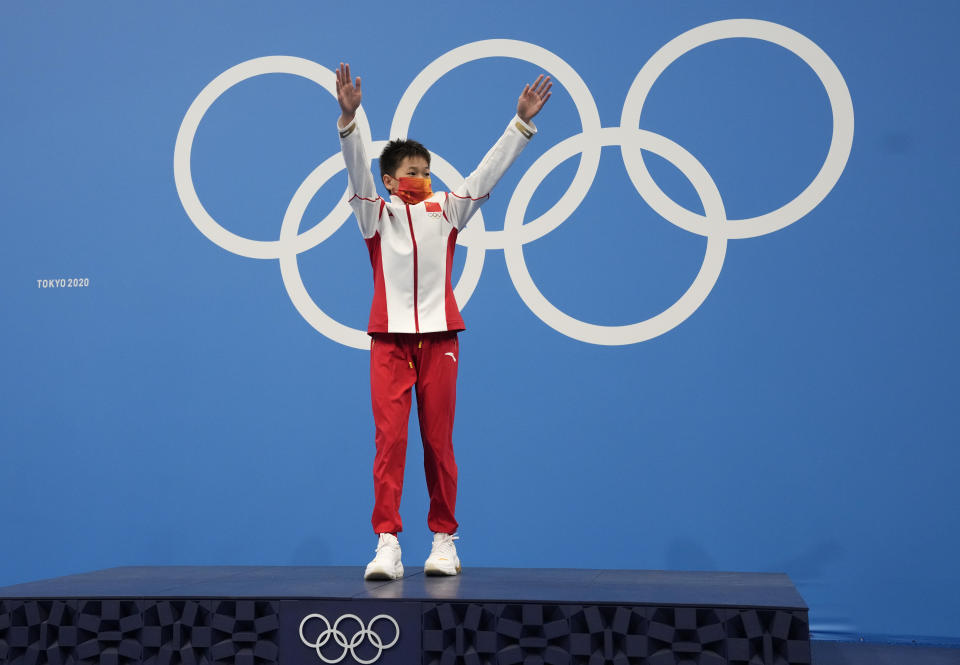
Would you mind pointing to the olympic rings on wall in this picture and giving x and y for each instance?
(713, 224)
(349, 646)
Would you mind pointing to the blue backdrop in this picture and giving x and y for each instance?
(179, 384)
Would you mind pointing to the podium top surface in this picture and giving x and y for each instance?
(476, 584)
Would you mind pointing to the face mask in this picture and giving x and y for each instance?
(414, 190)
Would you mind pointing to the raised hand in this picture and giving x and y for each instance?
(348, 94)
(533, 98)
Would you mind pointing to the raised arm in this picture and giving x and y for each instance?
(465, 200)
(364, 200)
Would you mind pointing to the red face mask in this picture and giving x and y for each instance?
(414, 190)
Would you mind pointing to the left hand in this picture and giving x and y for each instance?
(533, 98)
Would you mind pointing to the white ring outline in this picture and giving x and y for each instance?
(562, 73)
(841, 141)
(366, 631)
(695, 294)
(255, 249)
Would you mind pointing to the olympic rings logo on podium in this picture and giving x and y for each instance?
(349, 646)
(713, 224)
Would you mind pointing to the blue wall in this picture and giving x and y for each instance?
(797, 415)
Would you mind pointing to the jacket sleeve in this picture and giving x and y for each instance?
(463, 201)
(366, 203)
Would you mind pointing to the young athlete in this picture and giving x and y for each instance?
(414, 318)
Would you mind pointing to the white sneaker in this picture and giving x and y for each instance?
(443, 558)
(386, 564)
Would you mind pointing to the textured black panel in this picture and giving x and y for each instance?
(38, 632)
(177, 632)
(245, 632)
(153, 632)
(773, 637)
(537, 634)
(108, 632)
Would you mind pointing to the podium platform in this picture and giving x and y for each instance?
(297, 615)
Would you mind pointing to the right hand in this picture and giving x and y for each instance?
(348, 94)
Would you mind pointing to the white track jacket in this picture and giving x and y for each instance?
(411, 246)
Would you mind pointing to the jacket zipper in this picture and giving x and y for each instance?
(416, 317)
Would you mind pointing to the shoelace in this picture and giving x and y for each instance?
(444, 545)
(383, 542)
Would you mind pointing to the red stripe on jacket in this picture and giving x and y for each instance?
(454, 320)
(378, 308)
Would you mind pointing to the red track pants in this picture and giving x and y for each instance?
(397, 363)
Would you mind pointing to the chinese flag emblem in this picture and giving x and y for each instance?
(432, 206)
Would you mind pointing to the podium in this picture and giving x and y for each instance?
(299, 615)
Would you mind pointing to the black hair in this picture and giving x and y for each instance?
(394, 153)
